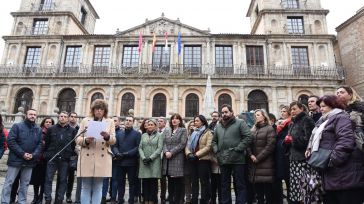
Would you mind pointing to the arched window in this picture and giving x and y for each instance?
(127, 103)
(191, 105)
(224, 99)
(66, 100)
(96, 95)
(159, 105)
(257, 100)
(24, 98)
(303, 98)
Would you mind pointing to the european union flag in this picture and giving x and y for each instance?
(179, 43)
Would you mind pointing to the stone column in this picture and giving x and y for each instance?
(36, 99)
(289, 93)
(8, 98)
(175, 99)
(243, 106)
(5, 53)
(111, 100)
(274, 106)
(79, 100)
(45, 50)
(143, 102)
(321, 91)
(50, 100)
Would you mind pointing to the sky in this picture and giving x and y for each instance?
(226, 17)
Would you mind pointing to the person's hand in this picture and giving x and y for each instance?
(119, 155)
(147, 161)
(307, 153)
(254, 159)
(89, 140)
(105, 135)
(27, 156)
(191, 157)
(168, 155)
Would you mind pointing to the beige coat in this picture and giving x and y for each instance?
(204, 146)
(95, 159)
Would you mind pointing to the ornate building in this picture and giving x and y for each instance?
(53, 59)
(350, 48)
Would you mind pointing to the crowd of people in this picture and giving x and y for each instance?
(315, 152)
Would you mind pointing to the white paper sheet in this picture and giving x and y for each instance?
(95, 128)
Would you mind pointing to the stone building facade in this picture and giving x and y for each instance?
(53, 59)
(350, 48)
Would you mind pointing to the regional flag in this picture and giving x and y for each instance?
(140, 44)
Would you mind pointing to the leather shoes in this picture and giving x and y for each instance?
(69, 200)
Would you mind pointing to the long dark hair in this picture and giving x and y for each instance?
(203, 120)
(177, 116)
(44, 120)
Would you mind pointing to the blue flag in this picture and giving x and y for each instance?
(179, 43)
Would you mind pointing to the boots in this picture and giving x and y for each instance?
(48, 202)
(58, 202)
(39, 200)
(35, 199)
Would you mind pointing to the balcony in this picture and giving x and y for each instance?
(176, 70)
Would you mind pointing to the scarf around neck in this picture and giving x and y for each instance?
(320, 125)
(195, 137)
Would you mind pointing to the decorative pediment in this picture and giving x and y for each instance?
(162, 25)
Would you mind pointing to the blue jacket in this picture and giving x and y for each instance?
(24, 137)
(127, 141)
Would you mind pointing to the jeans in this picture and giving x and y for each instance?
(91, 191)
(26, 173)
(70, 181)
(61, 166)
(122, 171)
(105, 186)
(238, 171)
(78, 190)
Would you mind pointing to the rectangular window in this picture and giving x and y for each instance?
(300, 63)
(101, 59)
(224, 59)
(73, 59)
(295, 25)
(290, 4)
(83, 14)
(161, 57)
(192, 58)
(46, 5)
(255, 59)
(40, 27)
(130, 57)
(32, 59)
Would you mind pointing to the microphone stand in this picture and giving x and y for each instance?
(68, 144)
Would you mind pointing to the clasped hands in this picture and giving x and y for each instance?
(104, 134)
(28, 156)
(147, 161)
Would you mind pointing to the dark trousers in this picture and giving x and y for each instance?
(122, 171)
(200, 174)
(277, 194)
(163, 183)
(61, 166)
(237, 171)
(70, 181)
(150, 189)
(264, 193)
(352, 196)
(215, 188)
(175, 185)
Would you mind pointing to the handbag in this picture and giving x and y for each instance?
(320, 159)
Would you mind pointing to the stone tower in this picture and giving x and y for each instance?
(54, 17)
(300, 17)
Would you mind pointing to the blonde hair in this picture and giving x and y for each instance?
(264, 113)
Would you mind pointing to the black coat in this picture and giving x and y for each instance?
(24, 137)
(2, 142)
(56, 138)
(300, 129)
(127, 141)
(281, 155)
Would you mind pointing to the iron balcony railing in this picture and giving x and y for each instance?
(148, 70)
